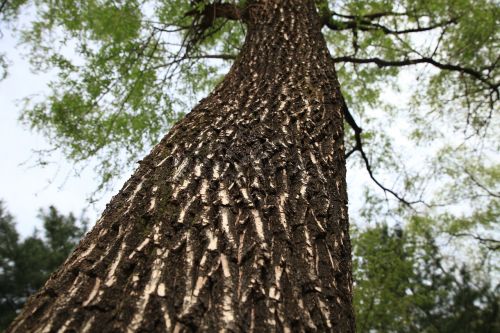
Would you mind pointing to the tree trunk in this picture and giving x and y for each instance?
(237, 219)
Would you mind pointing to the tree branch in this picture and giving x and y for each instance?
(412, 30)
(204, 18)
(407, 62)
(369, 16)
(497, 195)
(492, 244)
(367, 25)
(2, 5)
(177, 59)
(212, 56)
(359, 147)
(212, 11)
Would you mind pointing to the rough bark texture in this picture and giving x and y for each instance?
(237, 220)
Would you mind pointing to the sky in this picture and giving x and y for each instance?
(25, 186)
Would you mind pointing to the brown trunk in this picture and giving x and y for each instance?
(237, 220)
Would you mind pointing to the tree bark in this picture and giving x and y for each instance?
(237, 220)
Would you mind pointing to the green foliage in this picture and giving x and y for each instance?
(26, 264)
(419, 114)
(383, 267)
(404, 283)
(437, 271)
(118, 90)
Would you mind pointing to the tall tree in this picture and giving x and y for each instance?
(237, 219)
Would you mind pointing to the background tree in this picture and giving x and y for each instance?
(404, 283)
(26, 264)
(438, 270)
(122, 93)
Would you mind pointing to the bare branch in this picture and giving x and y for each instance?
(496, 195)
(2, 5)
(424, 60)
(216, 10)
(359, 147)
(412, 30)
(369, 16)
(366, 25)
(204, 19)
(212, 56)
(490, 243)
(178, 59)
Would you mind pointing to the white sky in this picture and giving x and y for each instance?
(25, 186)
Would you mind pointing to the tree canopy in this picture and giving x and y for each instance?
(127, 70)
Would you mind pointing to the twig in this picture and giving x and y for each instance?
(2, 5)
(490, 243)
(497, 195)
(359, 147)
(407, 62)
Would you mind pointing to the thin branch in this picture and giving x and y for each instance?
(412, 30)
(2, 5)
(443, 32)
(210, 12)
(369, 16)
(492, 244)
(359, 147)
(497, 195)
(212, 56)
(424, 60)
(177, 59)
(177, 29)
(366, 25)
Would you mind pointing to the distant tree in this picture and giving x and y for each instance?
(403, 283)
(26, 264)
